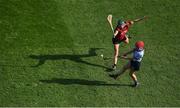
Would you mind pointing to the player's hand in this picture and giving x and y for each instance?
(124, 57)
(129, 22)
(132, 22)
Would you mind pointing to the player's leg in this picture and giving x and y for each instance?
(126, 40)
(134, 78)
(135, 66)
(124, 68)
(116, 53)
(120, 72)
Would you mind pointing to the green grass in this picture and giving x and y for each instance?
(50, 53)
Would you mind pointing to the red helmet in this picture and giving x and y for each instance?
(139, 44)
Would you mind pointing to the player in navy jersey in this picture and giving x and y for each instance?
(133, 64)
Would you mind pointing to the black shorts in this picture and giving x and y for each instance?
(117, 41)
(135, 65)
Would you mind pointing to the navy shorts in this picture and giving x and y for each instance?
(135, 65)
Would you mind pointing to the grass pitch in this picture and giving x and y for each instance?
(50, 53)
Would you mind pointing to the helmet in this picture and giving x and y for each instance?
(120, 22)
(139, 44)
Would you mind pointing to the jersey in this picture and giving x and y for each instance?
(122, 30)
(138, 55)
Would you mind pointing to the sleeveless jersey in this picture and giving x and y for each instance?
(122, 30)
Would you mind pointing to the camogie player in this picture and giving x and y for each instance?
(120, 36)
(133, 64)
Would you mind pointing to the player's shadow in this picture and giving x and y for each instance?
(73, 57)
(80, 82)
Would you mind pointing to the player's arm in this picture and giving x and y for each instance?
(129, 22)
(128, 58)
(129, 52)
(125, 55)
(115, 33)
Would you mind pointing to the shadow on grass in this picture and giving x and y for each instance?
(80, 82)
(73, 57)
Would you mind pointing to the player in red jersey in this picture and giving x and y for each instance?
(120, 36)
